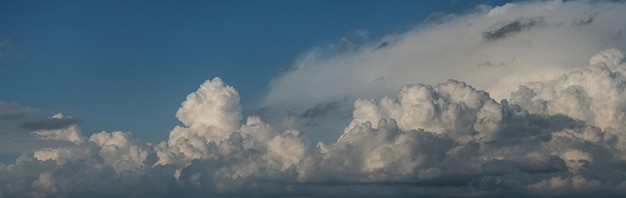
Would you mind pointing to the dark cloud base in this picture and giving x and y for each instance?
(50, 123)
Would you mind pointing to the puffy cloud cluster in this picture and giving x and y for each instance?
(210, 115)
(453, 130)
(444, 140)
(595, 95)
(452, 108)
(492, 49)
(562, 136)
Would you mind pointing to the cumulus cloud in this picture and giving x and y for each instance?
(450, 139)
(594, 95)
(559, 136)
(492, 49)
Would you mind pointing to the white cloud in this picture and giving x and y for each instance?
(533, 41)
(69, 133)
(553, 137)
(121, 150)
(445, 140)
(594, 95)
(210, 114)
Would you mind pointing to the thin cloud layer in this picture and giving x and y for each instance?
(12, 116)
(559, 136)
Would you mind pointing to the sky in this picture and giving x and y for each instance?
(94, 59)
(312, 98)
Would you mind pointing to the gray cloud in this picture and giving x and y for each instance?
(321, 110)
(506, 28)
(50, 123)
(548, 164)
(584, 21)
(318, 114)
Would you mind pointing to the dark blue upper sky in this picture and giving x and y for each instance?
(127, 65)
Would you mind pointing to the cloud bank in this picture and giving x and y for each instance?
(554, 135)
(493, 49)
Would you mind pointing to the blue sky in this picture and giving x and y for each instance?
(313, 98)
(127, 66)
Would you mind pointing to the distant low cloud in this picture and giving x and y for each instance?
(50, 123)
